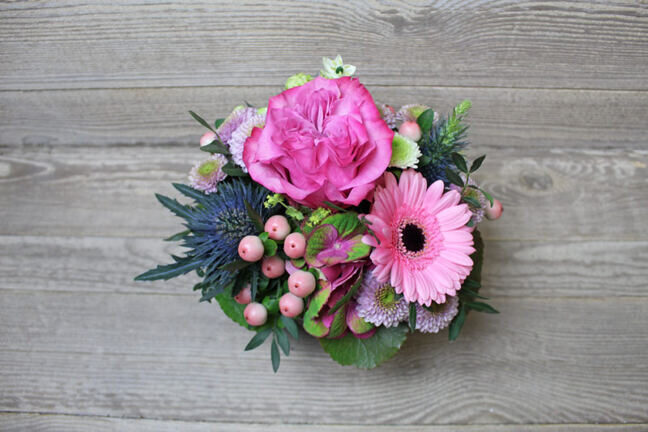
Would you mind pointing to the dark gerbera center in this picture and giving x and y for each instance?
(413, 238)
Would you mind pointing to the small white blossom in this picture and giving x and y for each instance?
(336, 68)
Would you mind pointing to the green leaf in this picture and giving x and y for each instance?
(426, 120)
(258, 339)
(216, 147)
(312, 322)
(173, 205)
(169, 271)
(487, 195)
(254, 283)
(269, 247)
(457, 323)
(471, 293)
(290, 326)
(274, 356)
(481, 307)
(201, 121)
(412, 317)
(477, 163)
(472, 201)
(454, 178)
(459, 162)
(235, 266)
(366, 353)
(178, 236)
(424, 160)
(231, 308)
(233, 170)
(255, 217)
(348, 295)
(282, 340)
(470, 283)
(219, 122)
(334, 206)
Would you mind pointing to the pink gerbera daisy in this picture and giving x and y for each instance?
(424, 244)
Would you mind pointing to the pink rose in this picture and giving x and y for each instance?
(322, 141)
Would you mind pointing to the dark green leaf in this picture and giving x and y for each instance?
(169, 271)
(235, 266)
(188, 191)
(173, 205)
(470, 283)
(454, 178)
(348, 295)
(231, 308)
(477, 163)
(178, 236)
(459, 162)
(201, 121)
(274, 356)
(290, 326)
(215, 147)
(258, 339)
(487, 195)
(282, 340)
(218, 123)
(471, 293)
(333, 206)
(470, 223)
(254, 283)
(412, 316)
(269, 247)
(457, 323)
(426, 120)
(366, 353)
(233, 170)
(481, 307)
(255, 217)
(472, 201)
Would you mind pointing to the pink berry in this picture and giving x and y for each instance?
(495, 211)
(273, 267)
(290, 305)
(255, 314)
(277, 227)
(244, 296)
(301, 283)
(411, 130)
(295, 245)
(250, 248)
(207, 138)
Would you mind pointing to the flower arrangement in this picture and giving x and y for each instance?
(327, 211)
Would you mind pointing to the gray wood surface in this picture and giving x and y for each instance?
(93, 121)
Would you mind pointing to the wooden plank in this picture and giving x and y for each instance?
(512, 268)
(505, 43)
(539, 361)
(62, 423)
(547, 194)
(500, 117)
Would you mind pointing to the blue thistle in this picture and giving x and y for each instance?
(447, 136)
(216, 224)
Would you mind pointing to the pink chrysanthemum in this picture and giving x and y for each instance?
(424, 244)
(233, 121)
(206, 175)
(433, 321)
(378, 303)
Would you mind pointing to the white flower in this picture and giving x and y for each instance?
(336, 68)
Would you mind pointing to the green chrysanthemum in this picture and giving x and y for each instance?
(405, 152)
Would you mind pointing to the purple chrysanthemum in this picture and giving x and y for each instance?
(241, 134)
(206, 175)
(233, 121)
(431, 322)
(388, 115)
(478, 213)
(378, 304)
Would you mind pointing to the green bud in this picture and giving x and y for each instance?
(262, 111)
(297, 80)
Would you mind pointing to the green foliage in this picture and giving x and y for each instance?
(366, 353)
(258, 339)
(412, 317)
(426, 120)
(201, 121)
(231, 308)
(344, 300)
(166, 272)
(233, 170)
(216, 147)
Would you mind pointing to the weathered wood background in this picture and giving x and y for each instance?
(93, 102)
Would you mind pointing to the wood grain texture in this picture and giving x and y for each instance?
(511, 118)
(63, 423)
(547, 195)
(512, 268)
(504, 43)
(165, 358)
